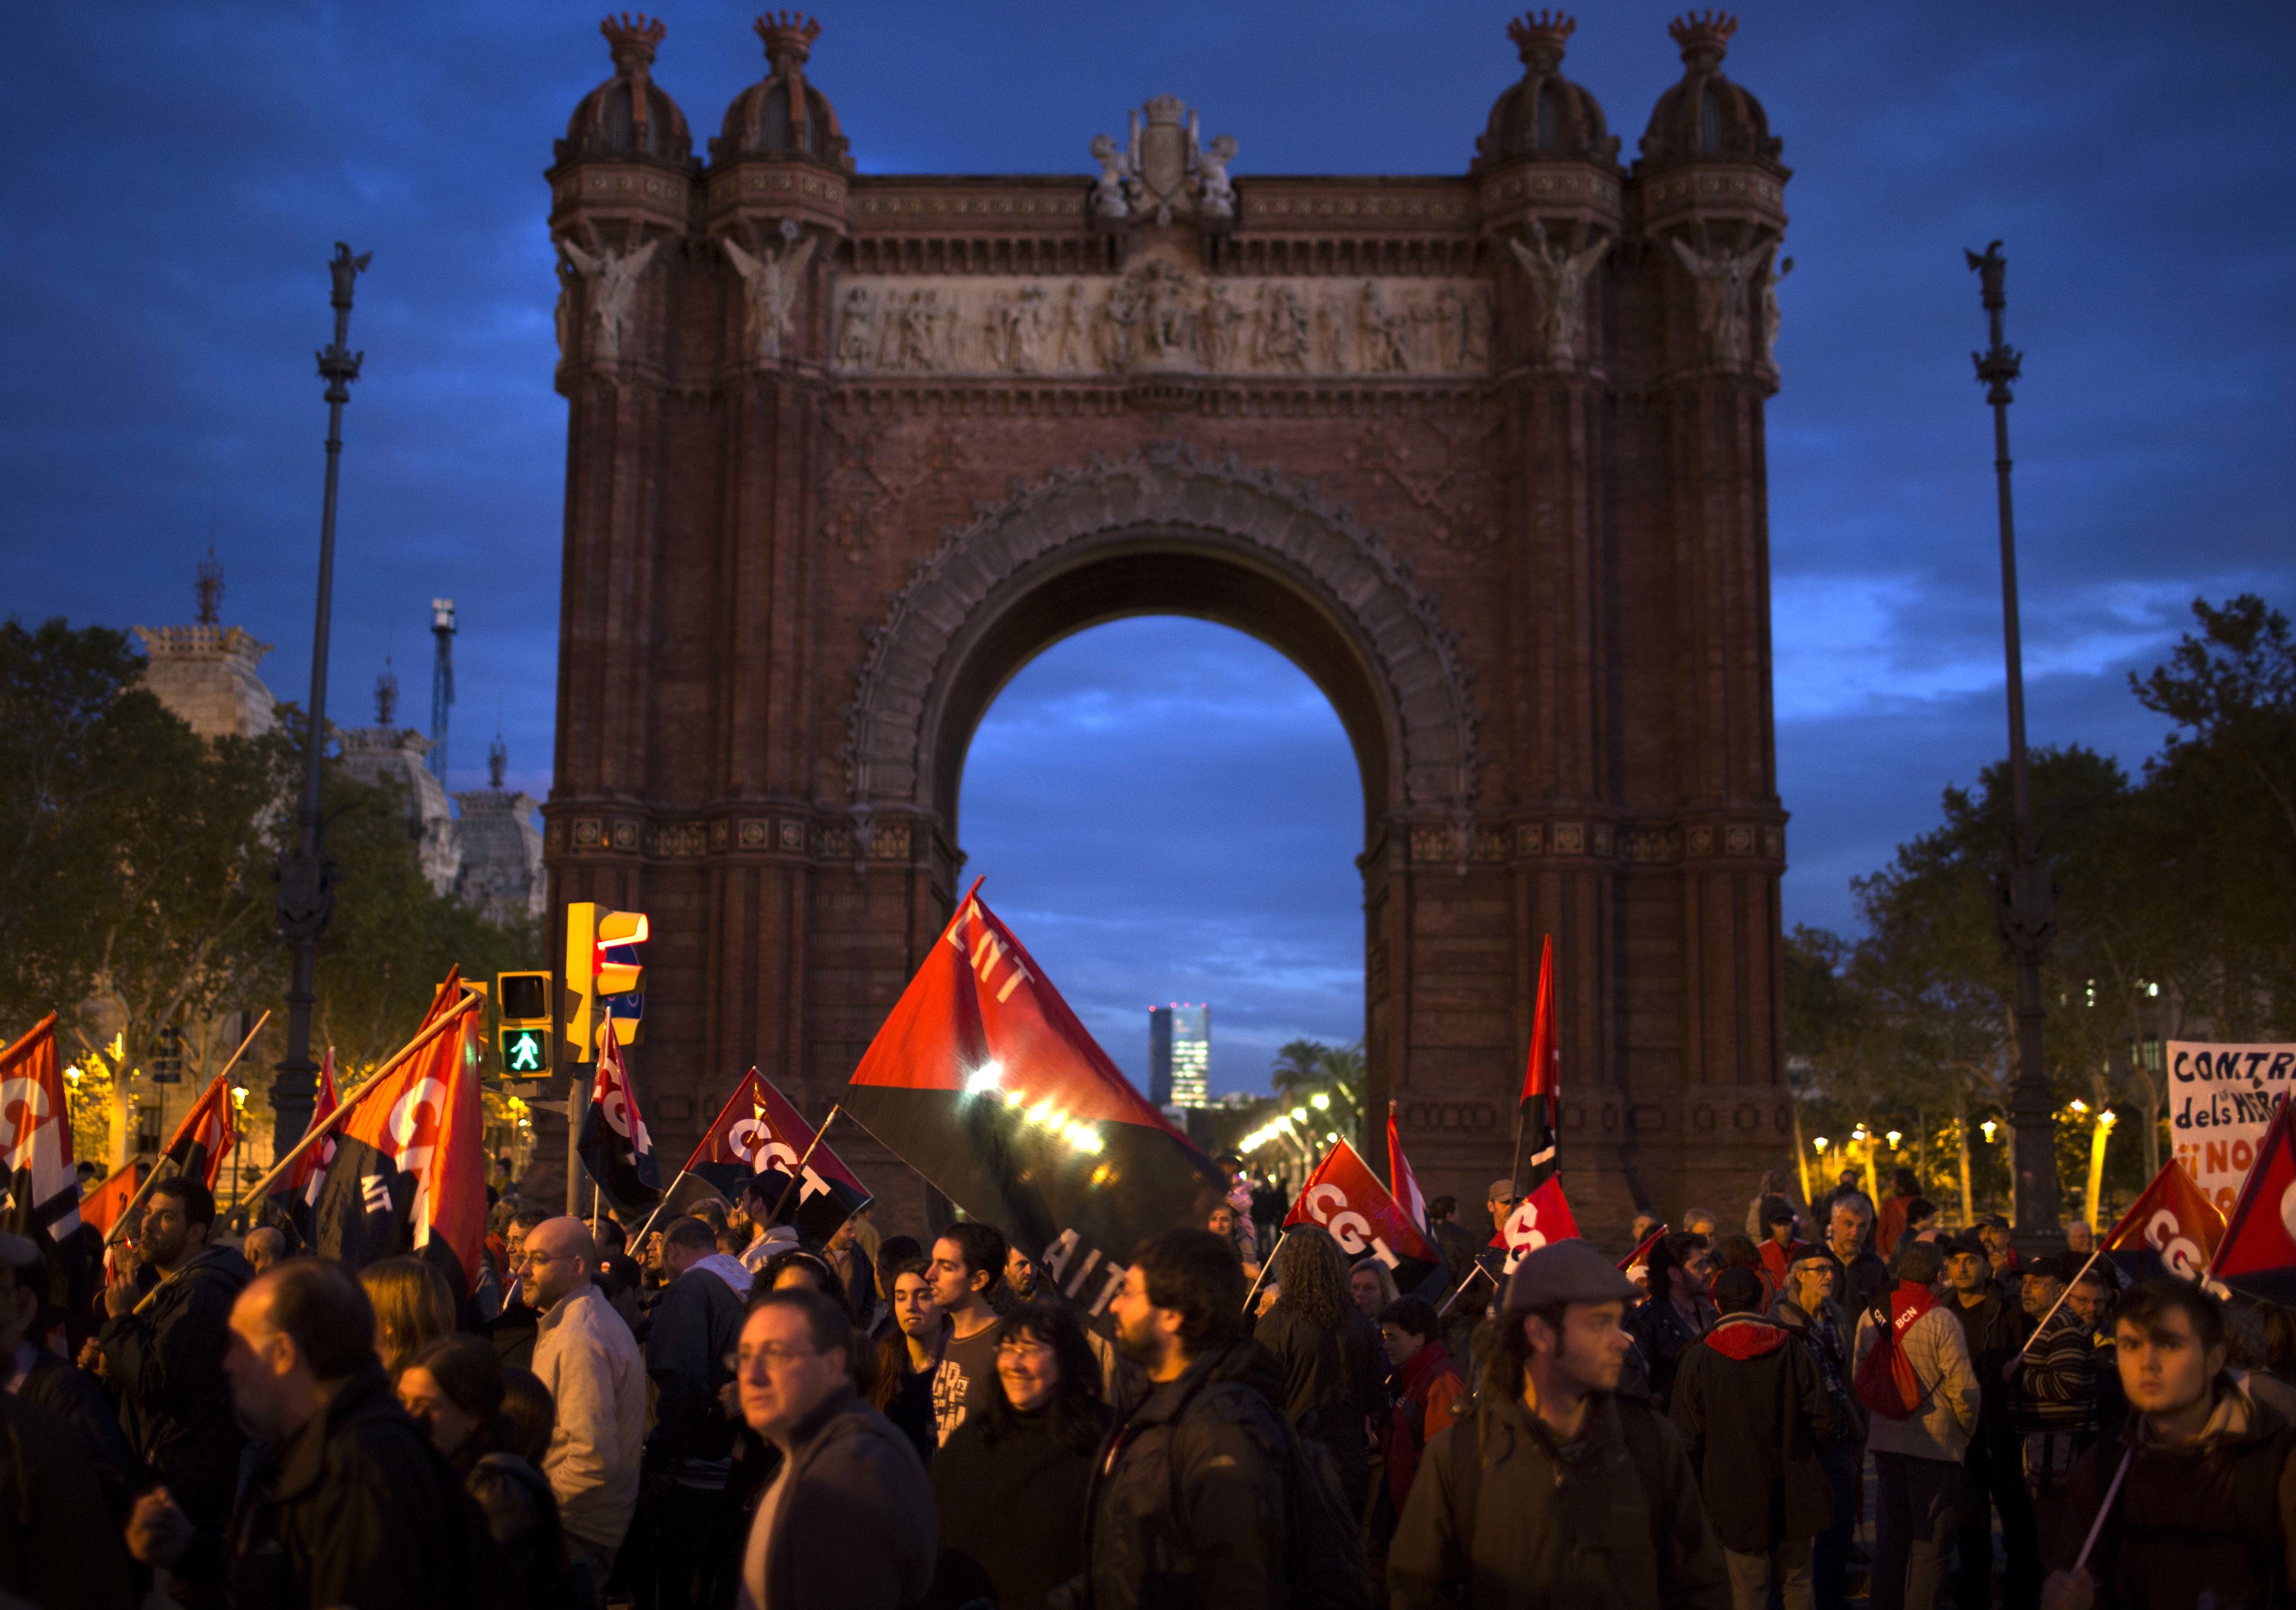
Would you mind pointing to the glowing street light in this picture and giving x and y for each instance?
(1894, 1137)
(1320, 1101)
(1989, 1126)
(1822, 1145)
(1300, 1114)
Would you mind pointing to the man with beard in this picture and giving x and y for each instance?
(164, 1351)
(1191, 1489)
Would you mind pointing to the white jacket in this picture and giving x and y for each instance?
(1938, 1351)
(587, 1358)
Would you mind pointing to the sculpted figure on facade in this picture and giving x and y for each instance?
(1769, 280)
(1284, 330)
(1383, 334)
(1218, 201)
(613, 279)
(1108, 196)
(769, 285)
(1071, 346)
(1561, 277)
(1163, 170)
(1723, 285)
(856, 329)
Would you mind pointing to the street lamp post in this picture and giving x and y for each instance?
(306, 895)
(2025, 909)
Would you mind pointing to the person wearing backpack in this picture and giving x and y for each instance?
(1915, 1376)
(1203, 1495)
(1558, 1488)
(2205, 1511)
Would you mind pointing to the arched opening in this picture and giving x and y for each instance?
(1168, 809)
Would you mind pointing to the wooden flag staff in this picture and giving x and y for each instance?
(150, 1180)
(320, 1131)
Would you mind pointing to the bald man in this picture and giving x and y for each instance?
(265, 1246)
(586, 1356)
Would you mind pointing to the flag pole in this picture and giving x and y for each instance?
(152, 1180)
(1268, 1264)
(1460, 1290)
(798, 1173)
(320, 1131)
(2096, 1527)
(643, 1230)
(2060, 1302)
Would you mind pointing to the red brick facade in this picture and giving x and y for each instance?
(1482, 453)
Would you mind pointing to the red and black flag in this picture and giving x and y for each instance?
(615, 1150)
(1641, 1254)
(1542, 1082)
(101, 1208)
(1543, 1216)
(983, 1080)
(761, 1135)
(409, 1168)
(1346, 1198)
(1403, 1184)
(42, 1179)
(205, 1136)
(2258, 1255)
(296, 1194)
(2172, 1228)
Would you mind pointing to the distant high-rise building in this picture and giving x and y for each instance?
(1179, 1056)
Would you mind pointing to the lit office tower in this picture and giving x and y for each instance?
(1179, 1056)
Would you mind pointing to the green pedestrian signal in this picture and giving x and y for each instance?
(525, 1054)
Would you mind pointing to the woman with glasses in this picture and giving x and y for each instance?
(1010, 1483)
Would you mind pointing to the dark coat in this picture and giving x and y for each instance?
(74, 1396)
(1662, 1333)
(696, 1324)
(1611, 1520)
(1211, 1443)
(165, 1357)
(1995, 1329)
(514, 1332)
(854, 1530)
(355, 1508)
(1011, 1512)
(1752, 1408)
(1333, 1382)
(522, 1519)
(59, 1546)
(1860, 1283)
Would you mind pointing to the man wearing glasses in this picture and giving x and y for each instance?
(586, 1356)
(849, 1519)
(1806, 1307)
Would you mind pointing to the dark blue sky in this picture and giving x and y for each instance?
(176, 174)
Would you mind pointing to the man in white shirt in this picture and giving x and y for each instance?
(588, 1359)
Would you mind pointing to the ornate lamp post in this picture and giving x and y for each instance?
(2026, 913)
(306, 896)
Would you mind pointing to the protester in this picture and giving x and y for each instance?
(2080, 1239)
(1329, 1353)
(801, 1268)
(1847, 1189)
(453, 1387)
(1994, 1328)
(28, 1370)
(2052, 1384)
(1430, 1394)
(512, 1330)
(909, 1353)
(1010, 1485)
(164, 1353)
(1861, 1279)
(350, 1504)
(1021, 1276)
(1917, 1460)
(689, 1454)
(847, 1520)
(1921, 1216)
(2094, 1296)
(855, 1272)
(1999, 1251)
(1372, 1286)
(1896, 1212)
(1780, 1247)
(1807, 1308)
(968, 1278)
(528, 1412)
(2206, 1510)
(893, 1252)
(1753, 1411)
(413, 1308)
(1701, 1221)
(584, 1355)
(1451, 1239)
(263, 1246)
(1773, 1188)
(1644, 1224)
(1558, 1488)
(1678, 1312)
(760, 1194)
(1191, 1493)
(865, 1234)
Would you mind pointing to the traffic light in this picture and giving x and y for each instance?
(603, 973)
(522, 1042)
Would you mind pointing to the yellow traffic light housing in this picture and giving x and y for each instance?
(604, 975)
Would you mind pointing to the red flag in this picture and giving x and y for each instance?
(760, 1131)
(1346, 1198)
(1543, 1216)
(1402, 1181)
(615, 1150)
(983, 1080)
(2258, 1255)
(1641, 1254)
(35, 1139)
(1542, 1083)
(101, 1208)
(2172, 1220)
(310, 1171)
(205, 1136)
(409, 1169)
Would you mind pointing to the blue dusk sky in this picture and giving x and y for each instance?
(1166, 809)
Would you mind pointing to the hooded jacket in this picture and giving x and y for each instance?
(1187, 1498)
(1751, 1406)
(1333, 1384)
(696, 1324)
(165, 1356)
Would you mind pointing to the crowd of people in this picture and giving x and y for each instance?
(721, 1418)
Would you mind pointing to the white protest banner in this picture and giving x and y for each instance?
(2220, 1101)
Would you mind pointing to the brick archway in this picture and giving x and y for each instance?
(1165, 531)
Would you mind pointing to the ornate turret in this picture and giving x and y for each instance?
(629, 115)
(1706, 115)
(783, 116)
(1544, 116)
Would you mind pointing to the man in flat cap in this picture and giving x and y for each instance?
(1558, 1490)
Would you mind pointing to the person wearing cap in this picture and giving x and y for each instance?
(1807, 1309)
(2053, 1383)
(1780, 1246)
(1993, 1476)
(1917, 1460)
(1558, 1488)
